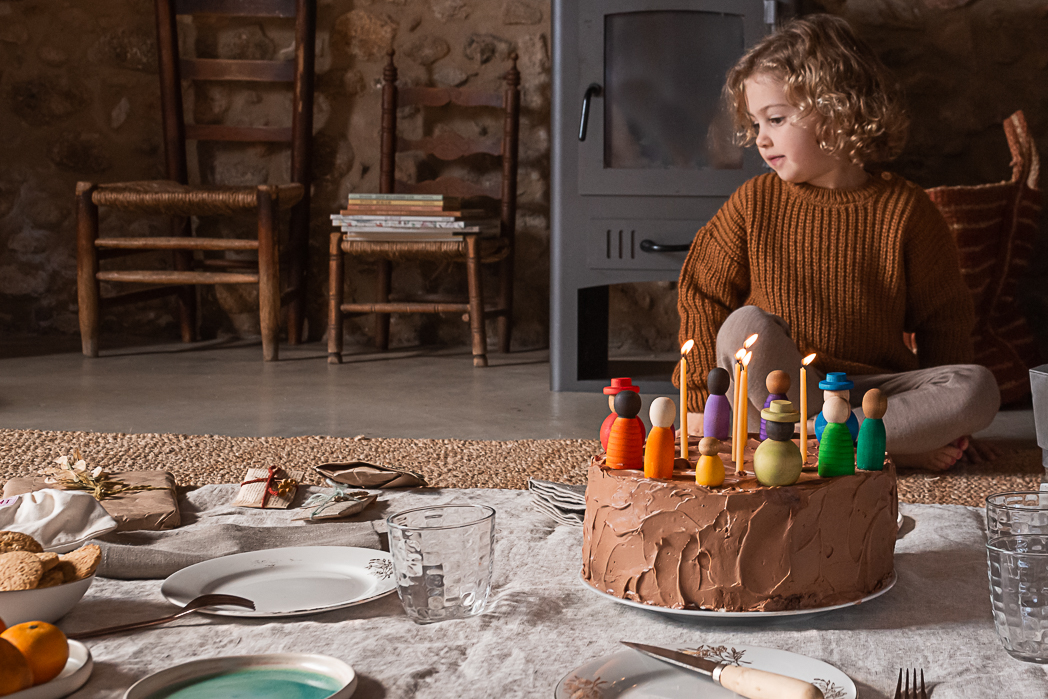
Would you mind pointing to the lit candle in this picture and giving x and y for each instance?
(684, 397)
(804, 406)
(738, 406)
(744, 422)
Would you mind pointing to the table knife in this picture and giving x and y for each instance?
(745, 681)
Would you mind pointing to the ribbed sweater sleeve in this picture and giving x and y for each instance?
(714, 282)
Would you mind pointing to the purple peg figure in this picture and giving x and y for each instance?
(778, 383)
(716, 417)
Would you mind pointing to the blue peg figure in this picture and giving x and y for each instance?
(837, 384)
(716, 416)
(778, 383)
(872, 439)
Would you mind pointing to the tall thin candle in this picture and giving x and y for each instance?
(745, 421)
(684, 397)
(804, 406)
(738, 406)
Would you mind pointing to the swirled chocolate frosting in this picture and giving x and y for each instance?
(741, 546)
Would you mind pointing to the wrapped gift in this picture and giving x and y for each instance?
(268, 488)
(151, 505)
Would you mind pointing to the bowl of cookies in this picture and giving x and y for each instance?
(42, 586)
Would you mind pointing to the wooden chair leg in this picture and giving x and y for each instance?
(505, 321)
(476, 302)
(336, 284)
(268, 274)
(187, 298)
(298, 249)
(87, 268)
(385, 281)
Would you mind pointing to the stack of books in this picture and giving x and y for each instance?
(411, 218)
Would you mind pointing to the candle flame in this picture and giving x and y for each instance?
(808, 360)
(749, 341)
(746, 359)
(687, 347)
(739, 355)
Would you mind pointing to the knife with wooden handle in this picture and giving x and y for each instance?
(744, 681)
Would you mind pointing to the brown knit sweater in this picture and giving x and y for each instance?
(849, 270)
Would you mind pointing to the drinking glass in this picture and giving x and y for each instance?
(1018, 570)
(442, 557)
(1021, 512)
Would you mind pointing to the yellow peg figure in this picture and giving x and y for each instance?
(659, 450)
(710, 469)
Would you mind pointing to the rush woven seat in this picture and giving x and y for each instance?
(197, 261)
(173, 199)
(473, 249)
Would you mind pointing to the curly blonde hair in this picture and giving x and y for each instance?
(828, 72)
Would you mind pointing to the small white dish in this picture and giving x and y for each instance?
(75, 674)
(251, 675)
(291, 581)
(45, 604)
(628, 674)
(714, 614)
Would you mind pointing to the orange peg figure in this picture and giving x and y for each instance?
(709, 471)
(625, 445)
(659, 449)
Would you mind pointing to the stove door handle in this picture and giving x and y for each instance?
(594, 90)
(651, 246)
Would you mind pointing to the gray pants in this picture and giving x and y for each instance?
(927, 408)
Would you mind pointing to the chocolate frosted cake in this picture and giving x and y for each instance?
(741, 546)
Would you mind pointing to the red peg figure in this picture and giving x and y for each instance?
(778, 383)
(625, 445)
(659, 449)
(709, 471)
(617, 386)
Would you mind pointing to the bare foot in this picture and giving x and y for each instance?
(981, 452)
(940, 459)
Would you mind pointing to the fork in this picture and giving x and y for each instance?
(907, 693)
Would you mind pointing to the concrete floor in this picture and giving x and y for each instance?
(224, 387)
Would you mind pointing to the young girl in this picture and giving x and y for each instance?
(826, 255)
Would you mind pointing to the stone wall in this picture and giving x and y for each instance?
(79, 100)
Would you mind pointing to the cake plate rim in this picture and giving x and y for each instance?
(715, 614)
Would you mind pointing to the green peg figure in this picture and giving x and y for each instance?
(836, 449)
(870, 456)
(777, 460)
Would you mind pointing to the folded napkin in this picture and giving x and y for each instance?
(61, 520)
(564, 503)
(361, 474)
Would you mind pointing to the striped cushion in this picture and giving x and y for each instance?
(995, 226)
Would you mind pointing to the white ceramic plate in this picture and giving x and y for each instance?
(290, 581)
(237, 680)
(628, 674)
(710, 613)
(73, 676)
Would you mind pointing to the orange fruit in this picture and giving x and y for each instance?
(2, 626)
(15, 674)
(44, 646)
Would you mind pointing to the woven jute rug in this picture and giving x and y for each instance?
(446, 463)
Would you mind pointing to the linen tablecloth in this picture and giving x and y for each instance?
(542, 622)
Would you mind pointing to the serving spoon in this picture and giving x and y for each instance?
(193, 605)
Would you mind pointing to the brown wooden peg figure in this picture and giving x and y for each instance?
(709, 471)
(625, 446)
(778, 384)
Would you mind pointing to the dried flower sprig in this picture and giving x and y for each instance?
(76, 476)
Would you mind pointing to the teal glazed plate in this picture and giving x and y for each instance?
(274, 676)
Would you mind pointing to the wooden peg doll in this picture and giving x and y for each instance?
(872, 439)
(778, 383)
(709, 471)
(617, 386)
(836, 449)
(777, 460)
(659, 449)
(716, 416)
(625, 445)
(837, 384)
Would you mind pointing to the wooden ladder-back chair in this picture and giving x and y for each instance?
(474, 250)
(176, 198)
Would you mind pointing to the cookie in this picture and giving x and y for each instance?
(85, 559)
(17, 541)
(66, 569)
(51, 578)
(48, 559)
(19, 570)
